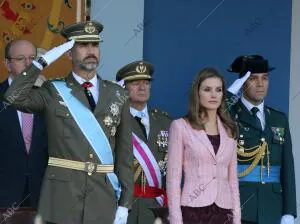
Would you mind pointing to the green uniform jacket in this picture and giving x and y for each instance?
(71, 196)
(159, 121)
(266, 203)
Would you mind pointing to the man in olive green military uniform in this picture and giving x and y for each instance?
(265, 158)
(89, 178)
(150, 137)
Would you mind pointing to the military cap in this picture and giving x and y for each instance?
(135, 71)
(87, 31)
(252, 63)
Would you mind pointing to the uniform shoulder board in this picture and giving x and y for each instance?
(113, 84)
(109, 82)
(57, 79)
(156, 111)
(272, 110)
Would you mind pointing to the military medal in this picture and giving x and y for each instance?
(162, 138)
(240, 144)
(108, 121)
(163, 165)
(113, 131)
(278, 134)
(114, 109)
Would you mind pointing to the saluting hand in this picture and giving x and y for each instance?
(53, 54)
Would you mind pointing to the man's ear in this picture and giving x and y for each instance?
(69, 54)
(7, 64)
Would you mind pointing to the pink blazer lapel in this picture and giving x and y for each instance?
(223, 139)
(206, 142)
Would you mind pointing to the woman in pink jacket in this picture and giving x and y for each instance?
(203, 150)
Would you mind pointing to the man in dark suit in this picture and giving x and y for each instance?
(265, 158)
(89, 178)
(23, 139)
(150, 138)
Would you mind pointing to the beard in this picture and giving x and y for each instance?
(88, 65)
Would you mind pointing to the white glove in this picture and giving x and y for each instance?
(237, 85)
(287, 219)
(121, 83)
(121, 215)
(55, 53)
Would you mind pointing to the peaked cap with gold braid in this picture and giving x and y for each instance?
(135, 71)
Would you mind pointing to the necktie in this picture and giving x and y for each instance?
(89, 95)
(27, 123)
(139, 120)
(254, 111)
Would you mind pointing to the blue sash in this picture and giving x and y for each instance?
(254, 175)
(93, 131)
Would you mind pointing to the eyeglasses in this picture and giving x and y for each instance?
(22, 58)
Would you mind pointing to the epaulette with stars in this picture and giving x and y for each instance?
(158, 112)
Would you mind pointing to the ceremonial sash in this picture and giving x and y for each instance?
(91, 129)
(148, 163)
(256, 176)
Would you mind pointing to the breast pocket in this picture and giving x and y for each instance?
(65, 122)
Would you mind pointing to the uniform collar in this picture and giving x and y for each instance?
(81, 80)
(249, 105)
(134, 112)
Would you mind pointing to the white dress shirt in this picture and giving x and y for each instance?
(260, 113)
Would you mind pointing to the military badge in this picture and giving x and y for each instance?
(62, 103)
(241, 141)
(141, 68)
(278, 134)
(163, 165)
(89, 28)
(108, 121)
(113, 131)
(246, 128)
(162, 138)
(114, 109)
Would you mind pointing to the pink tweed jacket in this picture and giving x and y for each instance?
(208, 177)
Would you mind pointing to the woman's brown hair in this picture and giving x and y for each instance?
(195, 109)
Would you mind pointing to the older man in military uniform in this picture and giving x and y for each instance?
(150, 137)
(265, 158)
(89, 178)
